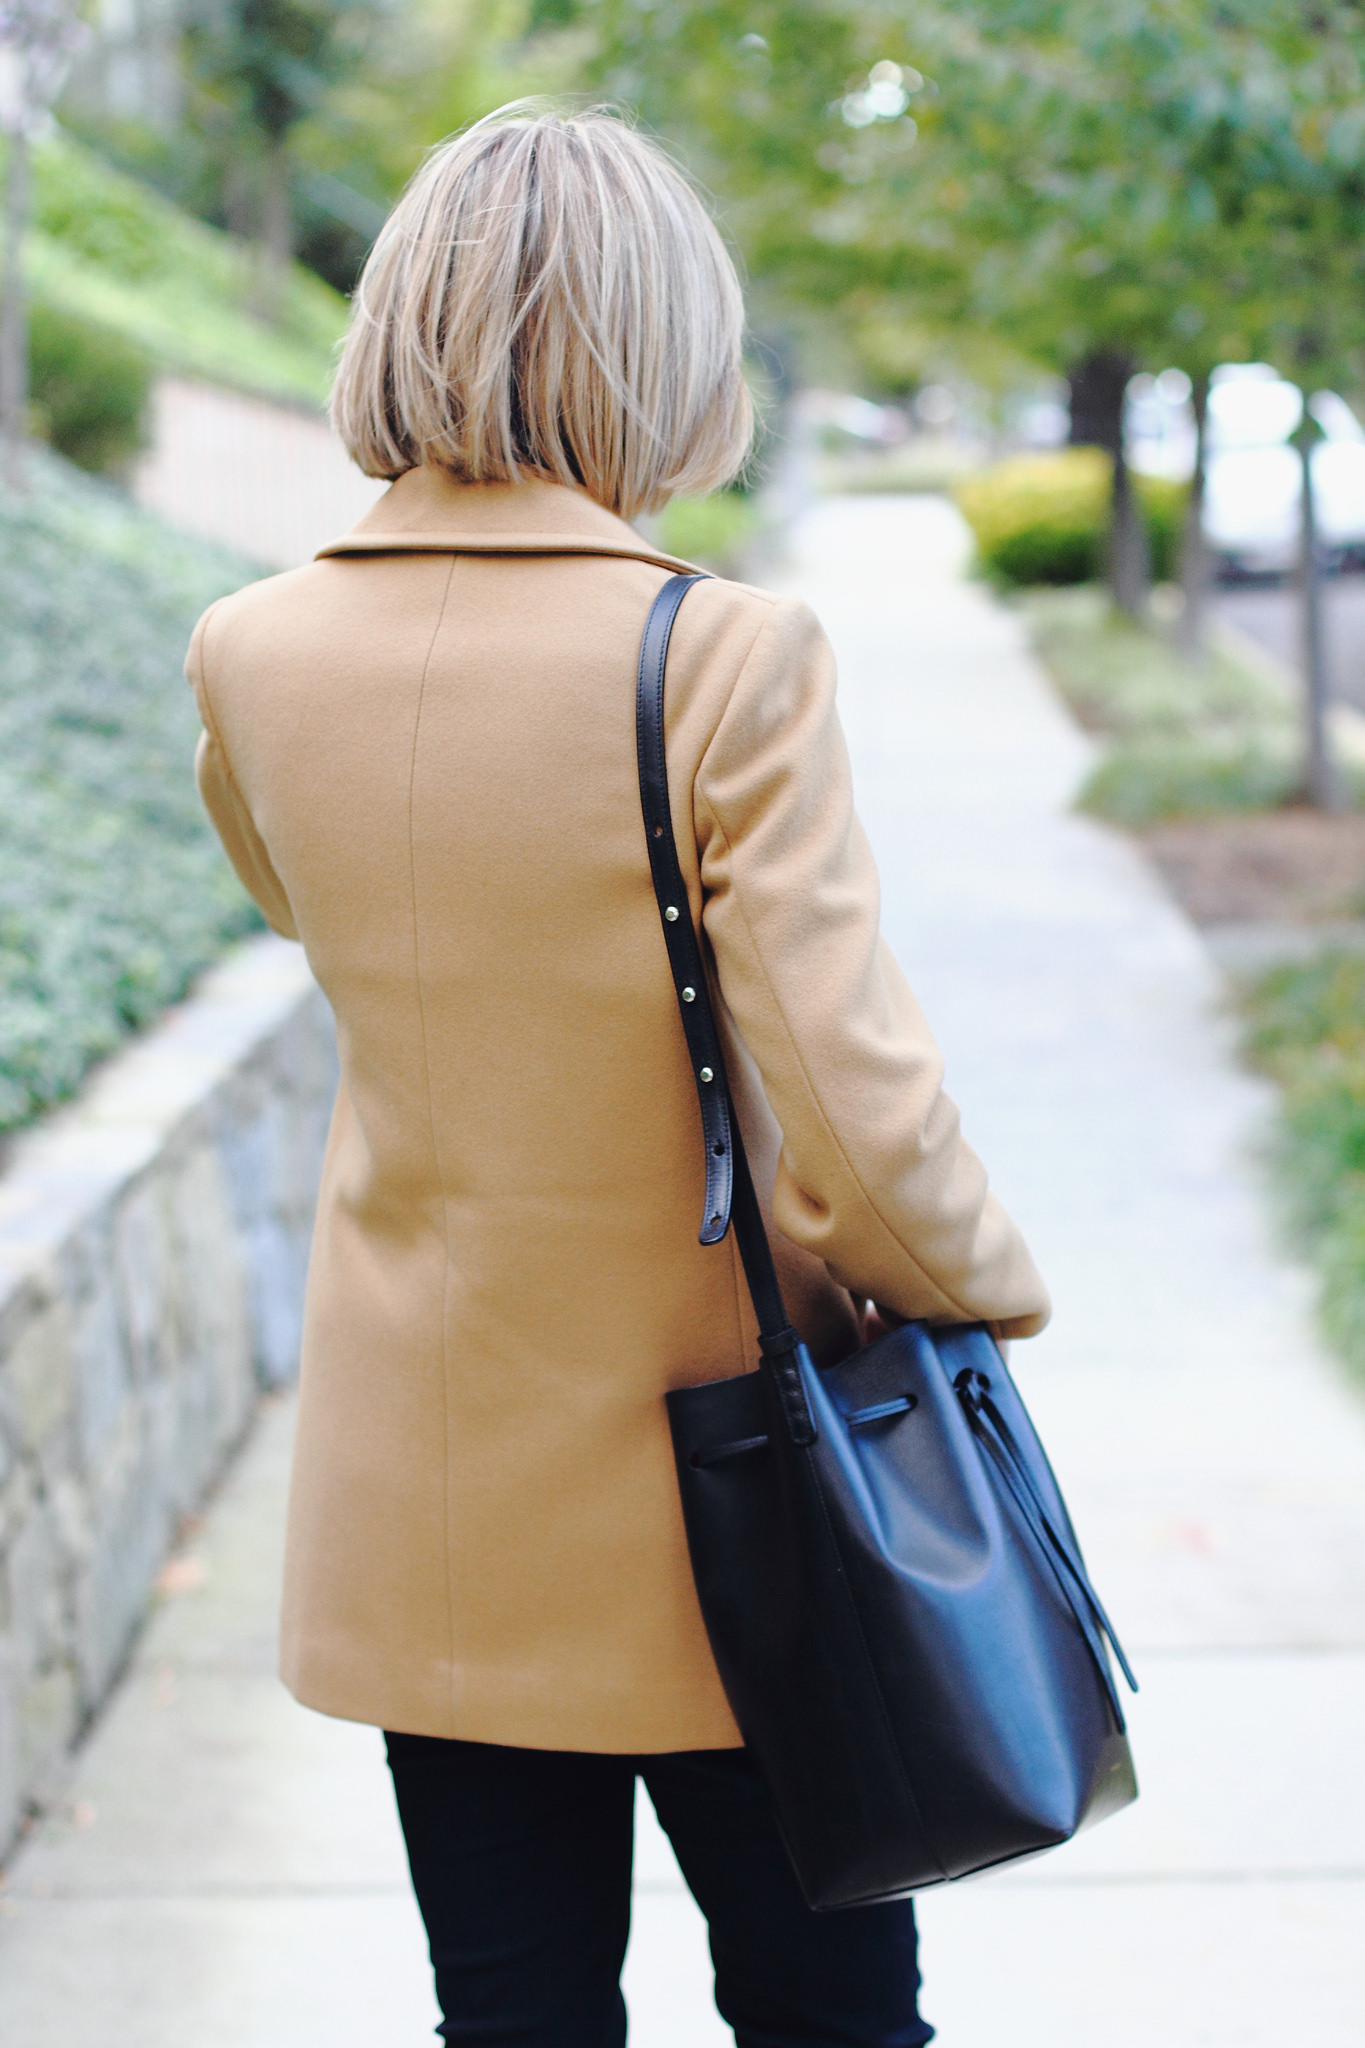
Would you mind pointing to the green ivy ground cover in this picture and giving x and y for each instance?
(113, 890)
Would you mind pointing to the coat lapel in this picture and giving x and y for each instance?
(428, 512)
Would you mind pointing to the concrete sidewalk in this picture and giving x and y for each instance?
(226, 1869)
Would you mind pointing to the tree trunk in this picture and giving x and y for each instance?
(1194, 554)
(1130, 561)
(1098, 388)
(1321, 786)
(275, 246)
(13, 315)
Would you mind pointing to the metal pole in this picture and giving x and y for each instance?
(1321, 786)
(13, 325)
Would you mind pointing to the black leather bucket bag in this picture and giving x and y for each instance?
(892, 1588)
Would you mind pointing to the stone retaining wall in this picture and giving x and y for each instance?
(153, 1245)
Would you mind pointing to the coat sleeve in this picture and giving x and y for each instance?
(226, 806)
(874, 1176)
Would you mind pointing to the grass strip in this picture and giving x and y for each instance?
(1180, 738)
(1305, 1027)
(110, 251)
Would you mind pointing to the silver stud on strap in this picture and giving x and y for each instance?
(672, 913)
(707, 1074)
(689, 995)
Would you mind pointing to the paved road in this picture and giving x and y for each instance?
(226, 1870)
(1271, 618)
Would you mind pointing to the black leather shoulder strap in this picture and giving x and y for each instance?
(728, 1180)
(684, 953)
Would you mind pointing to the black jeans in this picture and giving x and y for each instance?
(521, 1863)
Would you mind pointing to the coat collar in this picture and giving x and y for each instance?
(427, 511)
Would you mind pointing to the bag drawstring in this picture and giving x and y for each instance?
(993, 1432)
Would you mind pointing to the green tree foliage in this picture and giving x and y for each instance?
(1142, 182)
(1178, 182)
(750, 94)
(261, 68)
(339, 100)
(437, 65)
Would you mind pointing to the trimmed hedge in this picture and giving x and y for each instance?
(1045, 518)
(114, 892)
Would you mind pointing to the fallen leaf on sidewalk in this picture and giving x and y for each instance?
(181, 1575)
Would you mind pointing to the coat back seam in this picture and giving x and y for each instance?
(435, 1145)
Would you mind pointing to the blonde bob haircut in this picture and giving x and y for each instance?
(549, 298)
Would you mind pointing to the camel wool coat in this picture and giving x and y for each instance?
(419, 752)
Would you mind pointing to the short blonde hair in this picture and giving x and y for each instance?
(549, 298)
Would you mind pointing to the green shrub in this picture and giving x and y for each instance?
(1039, 518)
(88, 389)
(1045, 518)
(713, 532)
(113, 891)
(1306, 1028)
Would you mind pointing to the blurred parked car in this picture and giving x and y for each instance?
(1253, 476)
